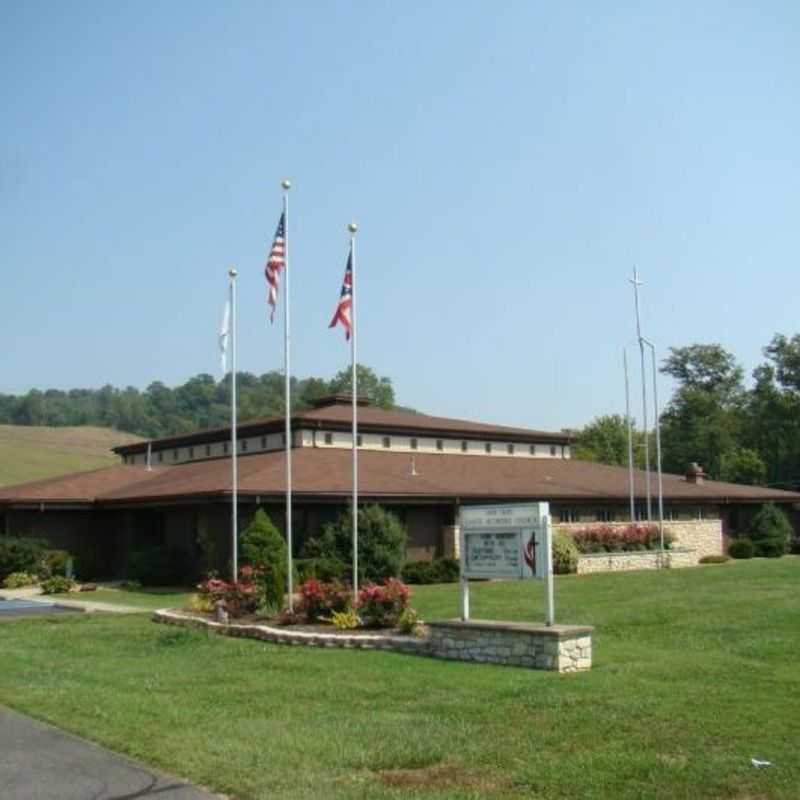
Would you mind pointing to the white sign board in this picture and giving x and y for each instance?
(507, 541)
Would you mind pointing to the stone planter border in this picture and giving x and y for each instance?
(563, 648)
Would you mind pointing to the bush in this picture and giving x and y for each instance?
(382, 606)
(440, 570)
(741, 548)
(320, 600)
(345, 620)
(160, 566)
(53, 562)
(565, 554)
(263, 546)
(321, 569)
(771, 532)
(794, 548)
(603, 538)
(408, 622)
(18, 554)
(58, 584)
(16, 580)
(381, 543)
(716, 558)
(240, 597)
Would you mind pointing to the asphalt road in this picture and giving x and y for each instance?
(38, 762)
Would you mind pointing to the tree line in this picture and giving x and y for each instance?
(737, 433)
(201, 402)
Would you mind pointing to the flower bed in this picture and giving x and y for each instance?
(603, 538)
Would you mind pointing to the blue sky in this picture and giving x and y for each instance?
(508, 163)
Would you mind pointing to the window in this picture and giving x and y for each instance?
(160, 457)
(464, 447)
(191, 452)
(510, 449)
(641, 512)
(243, 445)
(552, 450)
(174, 455)
(604, 515)
(328, 438)
(488, 447)
(359, 440)
(533, 449)
(208, 449)
(263, 442)
(439, 444)
(386, 441)
(283, 440)
(225, 448)
(569, 515)
(414, 444)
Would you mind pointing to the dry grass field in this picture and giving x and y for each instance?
(30, 453)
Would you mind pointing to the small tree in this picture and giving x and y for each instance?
(771, 531)
(262, 545)
(381, 543)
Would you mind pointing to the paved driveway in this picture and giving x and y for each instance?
(14, 608)
(38, 762)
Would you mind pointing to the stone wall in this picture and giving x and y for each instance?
(640, 559)
(702, 536)
(565, 648)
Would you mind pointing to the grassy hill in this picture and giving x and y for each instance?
(30, 453)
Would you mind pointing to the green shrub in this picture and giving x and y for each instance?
(18, 554)
(565, 554)
(58, 584)
(440, 570)
(741, 548)
(381, 543)
(53, 562)
(160, 566)
(321, 569)
(16, 580)
(715, 558)
(263, 545)
(794, 548)
(408, 622)
(771, 532)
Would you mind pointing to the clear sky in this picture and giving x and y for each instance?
(508, 163)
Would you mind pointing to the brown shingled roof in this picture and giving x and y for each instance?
(337, 414)
(326, 473)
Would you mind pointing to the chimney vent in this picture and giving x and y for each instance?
(694, 473)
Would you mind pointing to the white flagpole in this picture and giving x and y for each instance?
(288, 392)
(352, 227)
(234, 466)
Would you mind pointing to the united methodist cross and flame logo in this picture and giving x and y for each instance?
(529, 553)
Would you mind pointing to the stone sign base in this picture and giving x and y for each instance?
(565, 648)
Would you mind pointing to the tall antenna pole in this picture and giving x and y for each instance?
(286, 185)
(234, 439)
(658, 447)
(629, 426)
(352, 227)
(636, 284)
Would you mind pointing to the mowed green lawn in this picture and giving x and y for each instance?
(146, 599)
(696, 672)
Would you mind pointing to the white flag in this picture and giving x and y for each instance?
(224, 334)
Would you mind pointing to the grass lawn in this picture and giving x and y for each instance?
(696, 672)
(147, 599)
(31, 453)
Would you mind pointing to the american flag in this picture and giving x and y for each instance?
(342, 313)
(276, 261)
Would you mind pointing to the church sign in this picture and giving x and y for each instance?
(505, 541)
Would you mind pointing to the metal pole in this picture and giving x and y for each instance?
(462, 558)
(352, 227)
(630, 433)
(658, 449)
(550, 613)
(288, 392)
(234, 439)
(636, 284)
